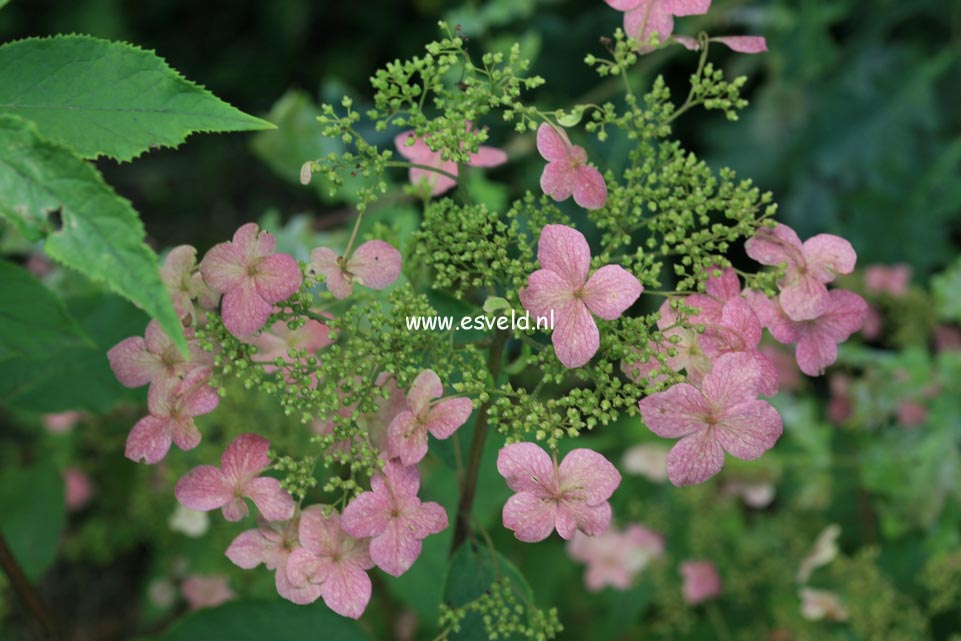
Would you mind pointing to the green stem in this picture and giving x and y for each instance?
(417, 165)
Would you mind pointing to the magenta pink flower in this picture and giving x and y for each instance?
(272, 544)
(817, 338)
(567, 171)
(407, 434)
(184, 282)
(277, 342)
(571, 496)
(206, 591)
(562, 290)
(394, 518)
(644, 18)
(173, 404)
(155, 358)
(251, 277)
(374, 264)
(78, 489)
(887, 279)
(810, 266)
(723, 414)
(328, 557)
(420, 153)
(206, 487)
(741, 44)
(701, 581)
(615, 557)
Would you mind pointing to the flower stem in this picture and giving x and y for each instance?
(27, 593)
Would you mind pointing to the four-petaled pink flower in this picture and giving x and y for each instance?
(701, 581)
(206, 591)
(328, 557)
(723, 414)
(810, 266)
(273, 544)
(615, 557)
(393, 518)
(277, 342)
(562, 290)
(644, 18)
(155, 358)
(374, 264)
(571, 496)
(420, 153)
(251, 277)
(567, 171)
(888, 279)
(207, 487)
(184, 282)
(407, 434)
(173, 404)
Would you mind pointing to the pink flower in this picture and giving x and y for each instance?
(334, 561)
(78, 489)
(563, 291)
(407, 434)
(173, 404)
(567, 171)
(207, 487)
(569, 497)
(277, 342)
(206, 591)
(911, 413)
(272, 544)
(644, 18)
(615, 558)
(841, 401)
(420, 153)
(374, 264)
(887, 279)
(809, 267)
(741, 44)
(648, 460)
(184, 282)
(947, 338)
(155, 359)
(788, 375)
(394, 518)
(723, 414)
(701, 581)
(62, 422)
(251, 277)
(817, 338)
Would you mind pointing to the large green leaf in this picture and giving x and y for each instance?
(32, 505)
(99, 97)
(101, 235)
(33, 320)
(260, 620)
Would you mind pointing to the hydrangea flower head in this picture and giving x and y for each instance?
(567, 171)
(394, 519)
(644, 18)
(420, 153)
(615, 557)
(184, 282)
(374, 264)
(701, 581)
(273, 544)
(723, 414)
(208, 487)
(407, 434)
(251, 277)
(562, 289)
(568, 497)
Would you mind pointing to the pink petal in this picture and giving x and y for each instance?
(611, 291)
(589, 519)
(246, 456)
(724, 287)
(235, 509)
(686, 7)
(553, 144)
(529, 517)
(253, 243)
(132, 364)
(546, 291)
(694, 459)
(244, 311)
(749, 430)
(527, 468)
(184, 433)
(203, 488)
(223, 268)
(429, 518)
(588, 476)
(804, 298)
(303, 566)
(590, 190)
(626, 5)
(199, 397)
(375, 264)
(324, 261)
(395, 549)
(299, 594)
(407, 439)
(417, 152)
(677, 411)
(775, 246)
(564, 250)
(273, 502)
(346, 590)
(829, 256)
(687, 42)
(278, 277)
(179, 263)
(402, 482)
(734, 379)
(149, 440)
(575, 336)
(643, 22)
(366, 515)
(744, 44)
(249, 549)
(701, 581)
(845, 316)
(557, 180)
(319, 533)
(425, 388)
(445, 417)
(488, 157)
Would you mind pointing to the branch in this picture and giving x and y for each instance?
(26, 593)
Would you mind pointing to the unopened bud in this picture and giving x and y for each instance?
(306, 171)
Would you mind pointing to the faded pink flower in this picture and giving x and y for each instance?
(173, 404)
(571, 496)
(644, 18)
(888, 279)
(723, 414)
(567, 171)
(701, 581)
(648, 460)
(615, 557)
(375, 264)
(757, 494)
(184, 283)
(62, 422)
(562, 289)
(272, 544)
(251, 277)
(947, 338)
(155, 358)
(873, 325)
(911, 413)
(78, 489)
(328, 557)
(788, 375)
(420, 153)
(811, 265)
(277, 341)
(840, 402)
(206, 590)
(741, 44)
(817, 605)
(207, 487)
(394, 518)
(407, 434)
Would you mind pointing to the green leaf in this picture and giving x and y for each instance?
(32, 504)
(260, 620)
(99, 97)
(101, 235)
(33, 320)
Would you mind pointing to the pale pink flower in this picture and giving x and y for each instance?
(809, 267)
(155, 358)
(571, 496)
(375, 264)
(328, 557)
(701, 581)
(277, 342)
(840, 401)
(615, 557)
(78, 489)
(788, 375)
(407, 434)
(888, 279)
(206, 590)
(567, 171)
(562, 290)
(648, 460)
(420, 153)
(757, 494)
(644, 18)
(184, 283)
(824, 550)
(173, 404)
(62, 422)
(723, 414)
(207, 487)
(741, 44)
(392, 516)
(251, 277)
(272, 544)
(911, 413)
(818, 605)
(873, 326)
